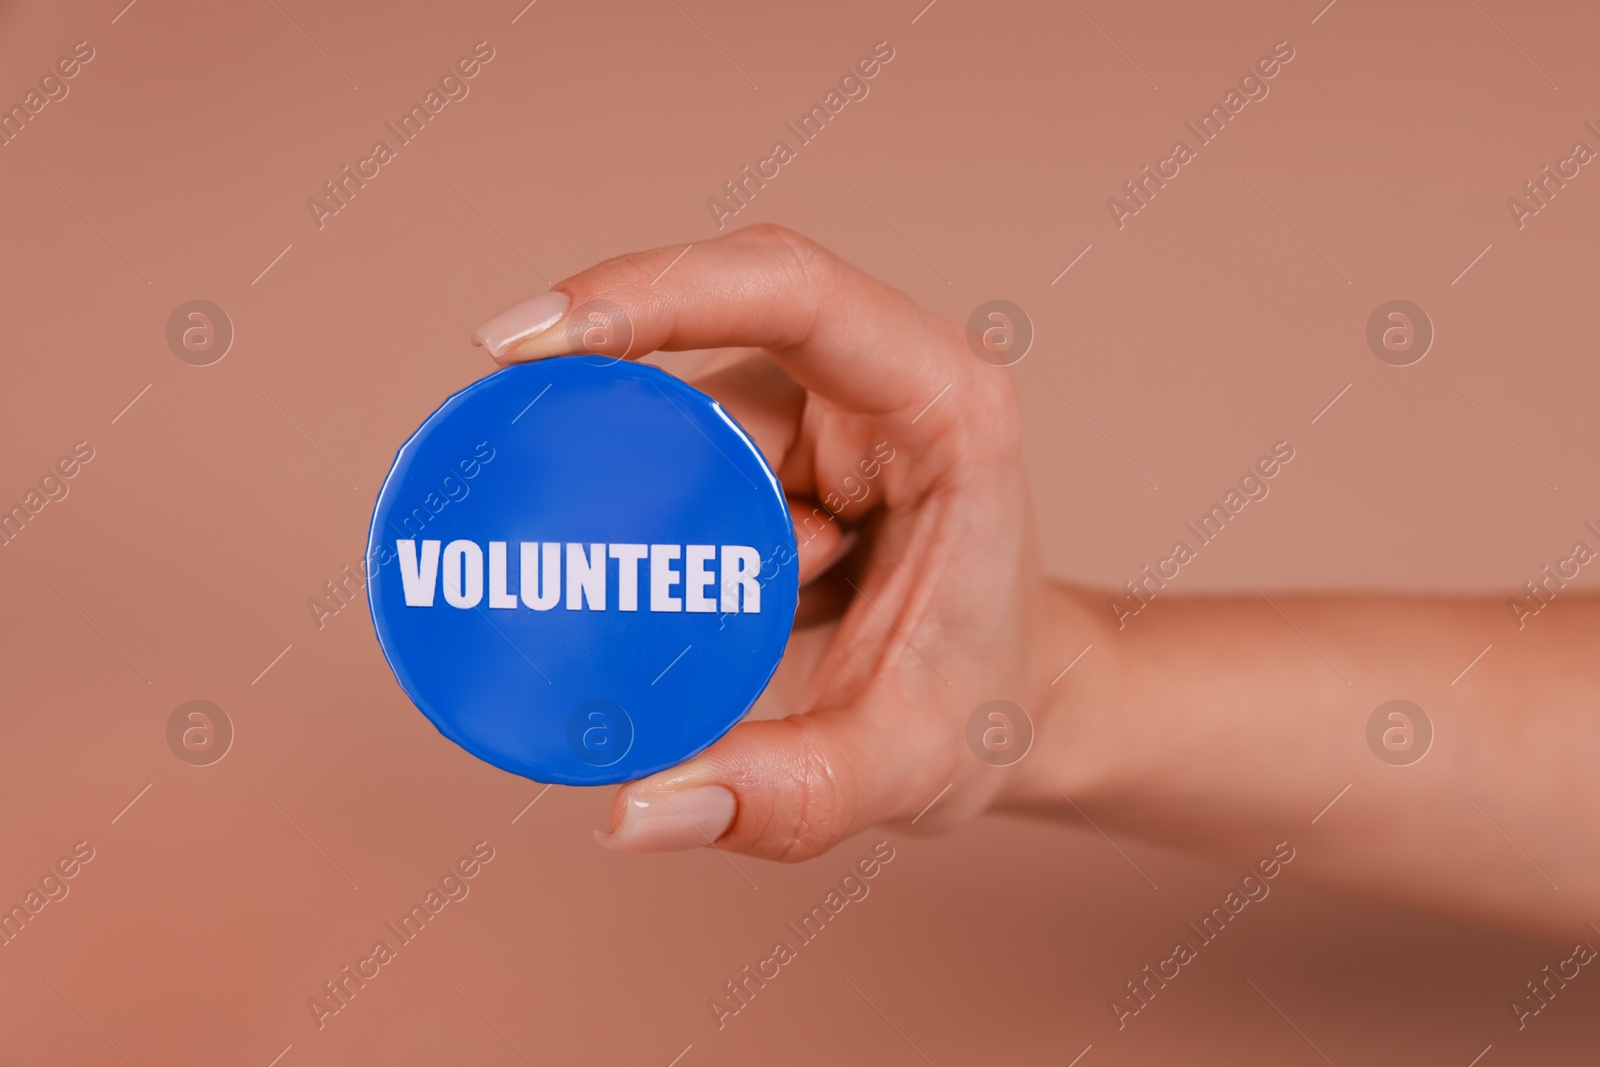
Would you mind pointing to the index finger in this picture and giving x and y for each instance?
(836, 330)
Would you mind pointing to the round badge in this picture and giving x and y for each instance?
(582, 571)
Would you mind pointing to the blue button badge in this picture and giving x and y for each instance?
(582, 570)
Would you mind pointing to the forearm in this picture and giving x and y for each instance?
(1224, 725)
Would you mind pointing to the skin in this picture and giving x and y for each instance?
(1214, 725)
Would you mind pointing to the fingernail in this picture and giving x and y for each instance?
(521, 322)
(672, 822)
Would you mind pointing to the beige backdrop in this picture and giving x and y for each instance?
(1226, 314)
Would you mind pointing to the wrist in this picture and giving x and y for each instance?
(1074, 690)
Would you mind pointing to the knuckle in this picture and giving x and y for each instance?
(821, 806)
(623, 274)
(774, 233)
(987, 415)
(802, 258)
(631, 270)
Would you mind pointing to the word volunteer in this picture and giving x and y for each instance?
(461, 564)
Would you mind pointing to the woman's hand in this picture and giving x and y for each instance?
(1230, 726)
(901, 455)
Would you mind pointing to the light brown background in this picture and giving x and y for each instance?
(1205, 330)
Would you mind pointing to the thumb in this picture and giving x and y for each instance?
(782, 789)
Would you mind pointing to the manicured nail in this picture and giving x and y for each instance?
(672, 822)
(519, 323)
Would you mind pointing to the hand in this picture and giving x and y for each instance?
(930, 581)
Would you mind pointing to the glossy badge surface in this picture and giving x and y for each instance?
(582, 570)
